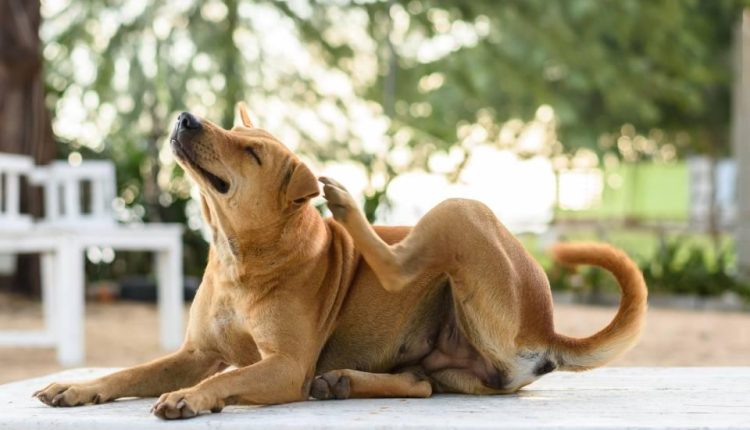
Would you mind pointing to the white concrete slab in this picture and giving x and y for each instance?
(642, 398)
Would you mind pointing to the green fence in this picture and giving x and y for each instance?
(641, 191)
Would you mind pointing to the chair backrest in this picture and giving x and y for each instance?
(78, 196)
(12, 168)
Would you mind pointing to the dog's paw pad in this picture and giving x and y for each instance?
(331, 385)
(343, 388)
(320, 389)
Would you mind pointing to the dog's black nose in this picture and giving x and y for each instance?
(187, 121)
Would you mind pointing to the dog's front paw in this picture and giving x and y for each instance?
(66, 394)
(185, 403)
(340, 202)
(331, 385)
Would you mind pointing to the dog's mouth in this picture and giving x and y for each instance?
(220, 185)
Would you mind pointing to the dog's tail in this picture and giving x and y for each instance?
(625, 329)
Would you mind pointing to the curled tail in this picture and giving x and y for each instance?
(625, 329)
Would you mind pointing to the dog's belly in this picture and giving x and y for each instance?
(378, 331)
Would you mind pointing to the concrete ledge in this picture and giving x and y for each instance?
(716, 398)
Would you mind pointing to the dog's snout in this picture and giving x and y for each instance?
(188, 121)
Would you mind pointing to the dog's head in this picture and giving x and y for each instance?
(247, 178)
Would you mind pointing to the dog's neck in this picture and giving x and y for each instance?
(256, 254)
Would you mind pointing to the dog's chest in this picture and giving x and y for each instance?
(228, 328)
(225, 320)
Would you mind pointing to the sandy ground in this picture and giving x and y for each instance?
(124, 334)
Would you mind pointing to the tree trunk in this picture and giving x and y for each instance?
(25, 126)
(741, 138)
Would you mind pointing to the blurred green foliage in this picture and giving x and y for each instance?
(683, 268)
(662, 67)
(678, 265)
(663, 64)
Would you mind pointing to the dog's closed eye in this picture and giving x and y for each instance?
(250, 150)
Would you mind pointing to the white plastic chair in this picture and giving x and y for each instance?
(12, 168)
(63, 198)
(18, 236)
(63, 236)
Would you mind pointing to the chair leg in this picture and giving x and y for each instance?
(170, 295)
(69, 294)
(49, 307)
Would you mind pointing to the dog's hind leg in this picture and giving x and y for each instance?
(347, 383)
(498, 290)
(460, 237)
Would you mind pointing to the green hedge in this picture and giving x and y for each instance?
(677, 265)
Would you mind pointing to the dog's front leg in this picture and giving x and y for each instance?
(278, 378)
(183, 368)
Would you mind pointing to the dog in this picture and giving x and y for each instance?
(332, 308)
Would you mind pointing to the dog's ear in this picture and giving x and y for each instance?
(302, 185)
(242, 115)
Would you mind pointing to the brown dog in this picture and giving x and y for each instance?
(304, 306)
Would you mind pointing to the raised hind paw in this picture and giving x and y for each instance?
(339, 201)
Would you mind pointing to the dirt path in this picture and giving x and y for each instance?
(124, 334)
